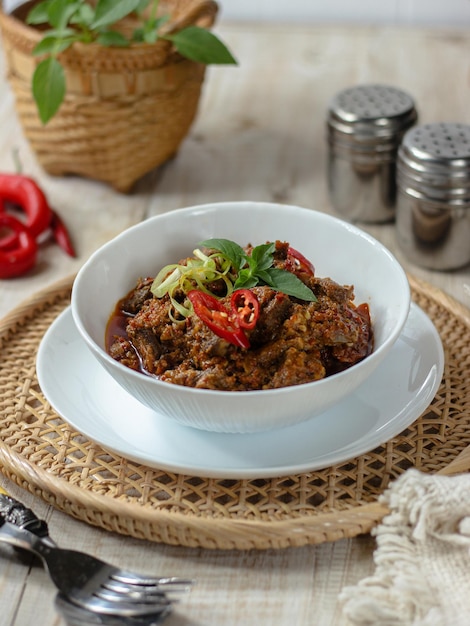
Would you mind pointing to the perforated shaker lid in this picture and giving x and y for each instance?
(372, 111)
(435, 159)
(444, 145)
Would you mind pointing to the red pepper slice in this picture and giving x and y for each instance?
(245, 306)
(216, 317)
(300, 263)
(25, 193)
(21, 258)
(364, 311)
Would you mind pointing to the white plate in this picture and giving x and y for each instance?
(86, 396)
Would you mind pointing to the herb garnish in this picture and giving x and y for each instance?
(257, 269)
(230, 264)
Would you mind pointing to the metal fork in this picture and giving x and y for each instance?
(74, 615)
(81, 578)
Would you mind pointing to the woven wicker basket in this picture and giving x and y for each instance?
(126, 110)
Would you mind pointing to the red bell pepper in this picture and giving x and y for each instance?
(245, 306)
(220, 320)
(21, 257)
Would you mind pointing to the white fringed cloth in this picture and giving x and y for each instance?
(422, 558)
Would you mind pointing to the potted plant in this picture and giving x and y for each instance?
(108, 89)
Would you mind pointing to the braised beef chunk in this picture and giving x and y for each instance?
(134, 300)
(293, 341)
(327, 288)
(123, 351)
(275, 308)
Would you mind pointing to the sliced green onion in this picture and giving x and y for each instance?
(165, 280)
(198, 273)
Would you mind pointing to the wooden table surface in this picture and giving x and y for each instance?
(259, 135)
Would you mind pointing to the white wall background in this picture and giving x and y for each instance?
(447, 13)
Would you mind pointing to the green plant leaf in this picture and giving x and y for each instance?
(288, 283)
(39, 13)
(109, 12)
(143, 4)
(159, 21)
(91, 23)
(48, 88)
(51, 44)
(245, 280)
(263, 255)
(202, 46)
(148, 32)
(60, 11)
(234, 253)
(150, 36)
(138, 35)
(112, 38)
(256, 268)
(61, 33)
(84, 16)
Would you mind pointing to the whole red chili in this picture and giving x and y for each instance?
(25, 193)
(61, 234)
(22, 257)
(245, 306)
(220, 320)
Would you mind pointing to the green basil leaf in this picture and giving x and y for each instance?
(288, 283)
(51, 44)
(245, 280)
(112, 38)
(109, 12)
(62, 33)
(48, 88)
(155, 23)
(149, 32)
(138, 35)
(263, 255)
(143, 4)
(234, 253)
(150, 36)
(60, 11)
(84, 16)
(202, 46)
(39, 13)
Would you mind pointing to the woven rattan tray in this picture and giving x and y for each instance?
(41, 453)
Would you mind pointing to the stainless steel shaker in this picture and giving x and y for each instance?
(433, 202)
(365, 126)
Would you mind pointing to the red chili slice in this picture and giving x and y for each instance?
(21, 258)
(301, 263)
(245, 306)
(363, 311)
(216, 317)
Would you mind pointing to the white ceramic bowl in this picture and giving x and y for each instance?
(336, 248)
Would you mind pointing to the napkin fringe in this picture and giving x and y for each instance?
(419, 550)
